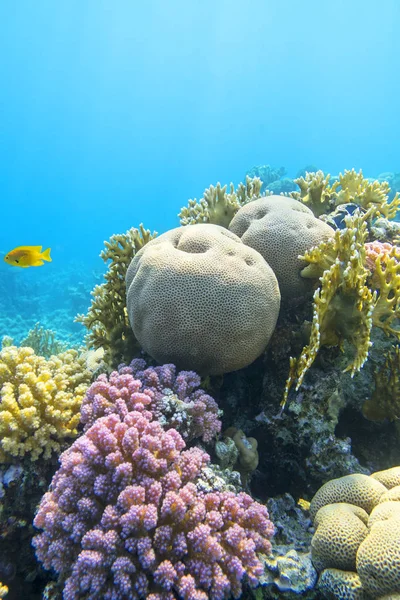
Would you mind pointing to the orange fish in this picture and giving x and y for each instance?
(27, 256)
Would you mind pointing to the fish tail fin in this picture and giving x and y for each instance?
(46, 255)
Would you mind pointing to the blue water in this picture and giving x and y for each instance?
(114, 113)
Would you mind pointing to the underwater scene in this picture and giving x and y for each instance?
(200, 300)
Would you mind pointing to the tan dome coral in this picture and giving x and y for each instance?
(281, 229)
(356, 489)
(197, 296)
(340, 529)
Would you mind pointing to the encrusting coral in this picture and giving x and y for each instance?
(218, 207)
(124, 519)
(107, 320)
(39, 401)
(359, 287)
(384, 402)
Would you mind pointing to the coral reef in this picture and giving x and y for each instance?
(107, 321)
(218, 207)
(200, 298)
(247, 455)
(355, 544)
(43, 342)
(281, 229)
(173, 398)
(352, 296)
(39, 401)
(350, 187)
(123, 517)
(384, 402)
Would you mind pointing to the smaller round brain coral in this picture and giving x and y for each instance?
(360, 490)
(124, 519)
(40, 401)
(200, 298)
(281, 229)
(340, 529)
(173, 398)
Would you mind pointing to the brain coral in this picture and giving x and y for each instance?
(39, 401)
(281, 229)
(357, 489)
(372, 545)
(200, 298)
(340, 529)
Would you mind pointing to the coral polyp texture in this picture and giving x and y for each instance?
(200, 298)
(356, 546)
(107, 320)
(281, 229)
(39, 401)
(175, 399)
(218, 207)
(124, 519)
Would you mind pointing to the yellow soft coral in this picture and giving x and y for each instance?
(317, 193)
(107, 318)
(218, 206)
(343, 303)
(39, 401)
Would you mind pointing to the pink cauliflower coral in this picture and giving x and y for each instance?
(174, 399)
(124, 519)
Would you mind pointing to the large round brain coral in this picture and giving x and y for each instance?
(124, 519)
(200, 298)
(281, 229)
(39, 401)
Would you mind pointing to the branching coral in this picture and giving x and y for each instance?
(39, 401)
(173, 398)
(359, 288)
(43, 342)
(351, 187)
(343, 303)
(124, 519)
(218, 206)
(107, 319)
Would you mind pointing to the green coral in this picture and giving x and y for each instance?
(322, 197)
(43, 342)
(107, 319)
(218, 206)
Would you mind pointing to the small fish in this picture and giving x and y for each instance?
(27, 256)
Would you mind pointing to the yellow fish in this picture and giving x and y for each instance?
(27, 256)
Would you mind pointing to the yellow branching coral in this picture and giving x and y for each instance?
(385, 399)
(107, 319)
(39, 401)
(343, 304)
(359, 287)
(317, 193)
(218, 206)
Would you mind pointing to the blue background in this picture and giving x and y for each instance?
(116, 112)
